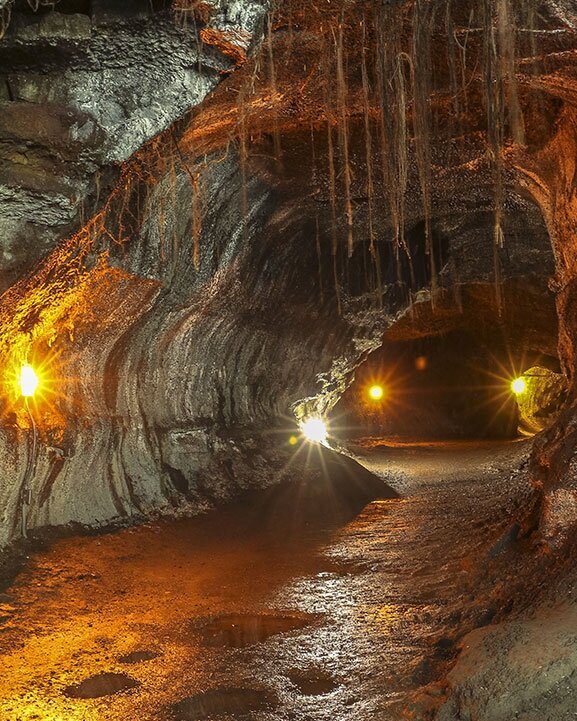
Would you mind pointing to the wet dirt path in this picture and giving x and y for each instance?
(263, 610)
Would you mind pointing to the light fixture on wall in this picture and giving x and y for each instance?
(518, 386)
(28, 381)
(376, 392)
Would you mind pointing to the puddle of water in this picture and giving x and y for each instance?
(236, 703)
(312, 683)
(240, 630)
(102, 684)
(139, 656)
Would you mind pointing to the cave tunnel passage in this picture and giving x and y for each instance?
(453, 386)
(280, 248)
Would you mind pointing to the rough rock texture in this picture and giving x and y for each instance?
(163, 365)
(214, 287)
(222, 281)
(81, 91)
(522, 669)
(542, 400)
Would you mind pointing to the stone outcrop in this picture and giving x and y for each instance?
(82, 89)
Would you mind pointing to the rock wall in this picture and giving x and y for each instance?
(215, 281)
(542, 400)
(160, 375)
(81, 91)
(549, 175)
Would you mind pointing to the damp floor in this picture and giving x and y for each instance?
(270, 609)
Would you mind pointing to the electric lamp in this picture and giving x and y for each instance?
(518, 386)
(28, 381)
(314, 430)
(376, 392)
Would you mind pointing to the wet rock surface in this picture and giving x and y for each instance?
(223, 703)
(524, 668)
(313, 682)
(238, 631)
(389, 590)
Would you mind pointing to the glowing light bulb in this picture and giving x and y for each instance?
(518, 386)
(28, 381)
(314, 430)
(376, 392)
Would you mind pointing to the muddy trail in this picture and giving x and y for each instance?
(296, 604)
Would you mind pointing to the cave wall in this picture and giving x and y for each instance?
(203, 296)
(550, 176)
(543, 399)
(85, 85)
(171, 387)
(82, 88)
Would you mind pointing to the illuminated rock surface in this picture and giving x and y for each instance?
(219, 219)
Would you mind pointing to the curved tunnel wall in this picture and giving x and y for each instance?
(167, 373)
(151, 383)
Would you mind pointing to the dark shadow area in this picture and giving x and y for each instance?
(95, 8)
(313, 682)
(139, 656)
(242, 630)
(458, 385)
(327, 491)
(237, 703)
(102, 684)
(399, 271)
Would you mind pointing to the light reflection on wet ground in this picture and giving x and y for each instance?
(331, 622)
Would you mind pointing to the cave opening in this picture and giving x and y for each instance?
(447, 358)
(452, 386)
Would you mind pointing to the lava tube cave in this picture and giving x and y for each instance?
(288, 331)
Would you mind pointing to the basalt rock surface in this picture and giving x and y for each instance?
(82, 87)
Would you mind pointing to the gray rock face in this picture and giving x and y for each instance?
(176, 366)
(80, 94)
(524, 668)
